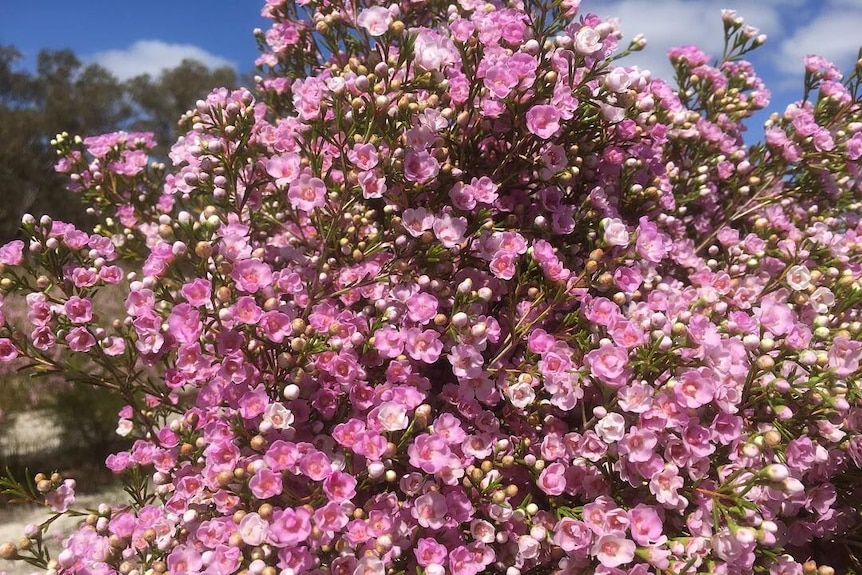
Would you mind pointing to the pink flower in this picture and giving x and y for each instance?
(651, 244)
(375, 20)
(252, 274)
(275, 325)
(844, 356)
(78, 310)
(185, 323)
(572, 535)
(246, 310)
(284, 168)
(389, 341)
(500, 80)
(637, 445)
(416, 221)
(80, 340)
(339, 487)
(776, 317)
(430, 510)
(371, 185)
(265, 484)
(12, 253)
(61, 498)
(543, 121)
(420, 167)
(694, 388)
(466, 361)
(428, 551)
(289, 527)
(197, 292)
(423, 345)
(330, 518)
(645, 525)
(422, 307)
(608, 364)
(8, 350)
(552, 480)
(430, 453)
(503, 264)
(449, 230)
(364, 156)
(307, 193)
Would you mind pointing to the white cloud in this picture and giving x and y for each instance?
(670, 23)
(153, 56)
(833, 34)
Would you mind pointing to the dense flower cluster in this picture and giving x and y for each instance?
(458, 293)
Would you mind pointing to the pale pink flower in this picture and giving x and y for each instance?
(416, 221)
(433, 51)
(391, 416)
(420, 167)
(430, 510)
(61, 498)
(375, 20)
(449, 230)
(613, 550)
(277, 416)
(12, 253)
(369, 565)
(423, 345)
(521, 394)
(284, 168)
(572, 535)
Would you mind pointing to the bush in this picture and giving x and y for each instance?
(456, 293)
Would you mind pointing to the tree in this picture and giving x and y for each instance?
(66, 95)
(160, 102)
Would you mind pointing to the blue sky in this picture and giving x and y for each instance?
(134, 37)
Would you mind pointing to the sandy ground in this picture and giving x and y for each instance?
(13, 519)
(33, 431)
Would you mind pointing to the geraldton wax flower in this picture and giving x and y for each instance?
(454, 290)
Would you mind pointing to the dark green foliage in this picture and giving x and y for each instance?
(65, 95)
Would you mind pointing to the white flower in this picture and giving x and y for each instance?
(611, 427)
(278, 416)
(392, 416)
(521, 395)
(616, 233)
(822, 299)
(124, 427)
(587, 41)
(798, 277)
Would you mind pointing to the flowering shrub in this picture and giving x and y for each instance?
(456, 293)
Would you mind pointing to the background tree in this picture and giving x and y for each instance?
(160, 102)
(67, 95)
